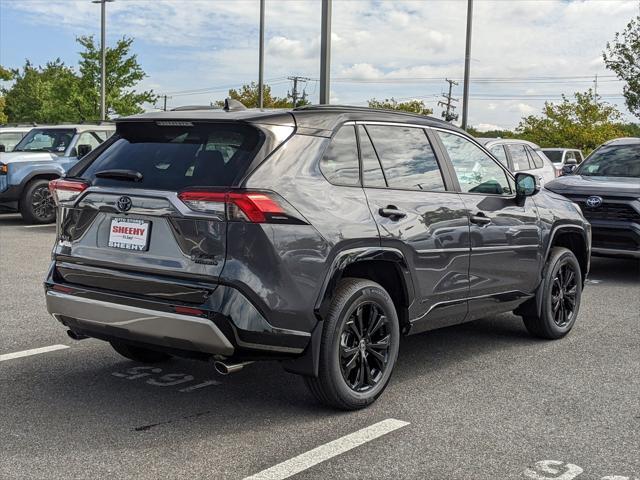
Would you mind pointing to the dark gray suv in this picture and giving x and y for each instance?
(316, 237)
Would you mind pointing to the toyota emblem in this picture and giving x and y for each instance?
(124, 204)
(594, 201)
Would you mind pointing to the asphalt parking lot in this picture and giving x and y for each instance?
(478, 401)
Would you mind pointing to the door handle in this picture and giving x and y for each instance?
(480, 219)
(392, 212)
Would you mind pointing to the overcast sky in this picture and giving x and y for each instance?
(403, 49)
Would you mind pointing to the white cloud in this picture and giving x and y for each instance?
(485, 127)
(389, 48)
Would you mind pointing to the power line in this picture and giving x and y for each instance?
(448, 114)
(294, 94)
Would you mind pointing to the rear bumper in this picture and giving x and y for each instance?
(185, 320)
(171, 330)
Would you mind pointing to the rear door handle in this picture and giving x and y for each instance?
(480, 219)
(392, 212)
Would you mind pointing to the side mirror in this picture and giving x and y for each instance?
(2, 148)
(83, 150)
(567, 169)
(526, 185)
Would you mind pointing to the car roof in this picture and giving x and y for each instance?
(623, 141)
(317, 117)
(560, 149)
(501, 141)
(79, 127)
(15, 129)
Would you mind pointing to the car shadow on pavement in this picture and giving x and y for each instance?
(624, 270)
(11, 219)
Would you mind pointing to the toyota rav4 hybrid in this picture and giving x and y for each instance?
(316, 237)
(607, 188)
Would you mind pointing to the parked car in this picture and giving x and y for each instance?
(43, 154)
(563, 156)
(315, 236)
(11, 135)
(521, 156)
(607, 188)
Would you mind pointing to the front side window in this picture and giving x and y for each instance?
(477, 172)
(54, 140)
(89, 138)
(612, 161)
(10, 139)
(407, 158)
(519, 157)
(500, 154)
(340, 164)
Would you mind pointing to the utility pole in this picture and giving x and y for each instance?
(595, 89)
(294, 91)
(261, 59)
(325, 52)
(103, 57)
(164, 107)
(467, 66)
(448, 115)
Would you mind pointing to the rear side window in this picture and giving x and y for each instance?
(534, 157)
(372, 175)
(177, 156)
(407, 157)
(340, 164)
(519, 157)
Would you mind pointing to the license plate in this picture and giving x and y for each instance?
(129, 234)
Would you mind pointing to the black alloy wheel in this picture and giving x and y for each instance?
(364, 347)
(563, 294)
(37, 204)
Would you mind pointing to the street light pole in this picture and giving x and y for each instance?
(261, 59)
(103, 56)
(467, 65)
(325, 52)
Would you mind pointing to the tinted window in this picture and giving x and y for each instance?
(500, 154)
(372, 175)
(175, 157)
(519, 157)
(407, 157)
(477, 172)
(340, 162)
(612, 161)
(554, 155)
(534, 157)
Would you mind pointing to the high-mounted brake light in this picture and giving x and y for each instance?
(66, 190)
(255, 207)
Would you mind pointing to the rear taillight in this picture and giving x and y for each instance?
(64, 191)
(255, 207)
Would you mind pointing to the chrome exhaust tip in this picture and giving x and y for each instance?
(228, 368)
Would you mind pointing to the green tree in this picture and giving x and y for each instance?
(5, 75)
(622, 56)
(58, 93)
(412, 106)
(123, 74)
(491, 133)
(248, 96)
(43, 94)
(583, 123)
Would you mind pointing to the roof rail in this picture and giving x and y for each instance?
(186, 108)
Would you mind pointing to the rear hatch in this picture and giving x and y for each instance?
(147, 214)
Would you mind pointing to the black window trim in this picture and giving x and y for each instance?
(445, 155)
(447, 180)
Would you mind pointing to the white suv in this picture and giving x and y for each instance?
(10, 136)
(521, 156)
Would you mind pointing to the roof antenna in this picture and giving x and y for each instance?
(231, 105)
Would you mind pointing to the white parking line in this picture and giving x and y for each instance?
(329, 450)
(40, 226)
(33, 351)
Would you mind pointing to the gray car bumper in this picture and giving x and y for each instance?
(149, 326)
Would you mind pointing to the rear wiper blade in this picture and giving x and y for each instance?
(117, 174)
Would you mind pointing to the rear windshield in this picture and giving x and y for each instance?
(554, 155)
(175, 155)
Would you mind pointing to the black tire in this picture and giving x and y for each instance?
(561, 293)
(339, 384)
(36, 204)
(139, 354)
